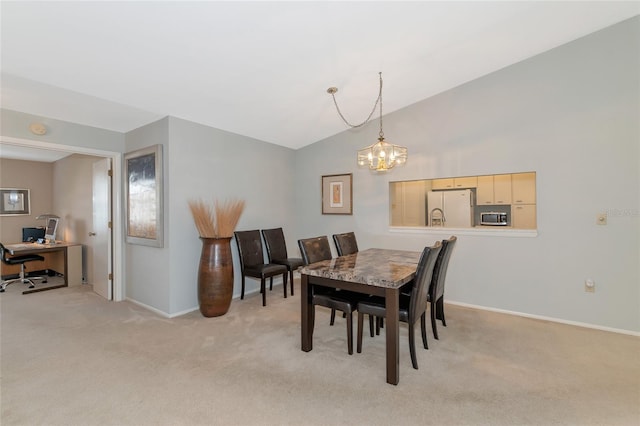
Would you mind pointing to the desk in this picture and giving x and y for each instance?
(379, 272)
(65, 256)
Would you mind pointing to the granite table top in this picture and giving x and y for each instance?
(375, 267)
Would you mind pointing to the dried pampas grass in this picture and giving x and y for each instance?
(219, 221)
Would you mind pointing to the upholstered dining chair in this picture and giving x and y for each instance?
(315, 250)
(435, 296)
(252, 263)
(412, 307)
(20, 260)
(277, 252)
(345, 243)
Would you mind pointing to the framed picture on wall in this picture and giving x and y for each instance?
(337, 193)
(14, 202)
(143, 195)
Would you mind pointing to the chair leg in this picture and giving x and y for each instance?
(284, 284)
(440, 311)
(378, 325)
(333, 316)
(360, 324)
(242, 291)
(270, 283)
(412, 346)
(371, 325)
(8, 282)
(434, 327)
(263, 290)
(423, 329)
(291, 277)
(350, 333)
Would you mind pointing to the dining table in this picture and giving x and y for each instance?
(374, 271)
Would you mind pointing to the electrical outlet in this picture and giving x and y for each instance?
(589, 285)
(601, 219)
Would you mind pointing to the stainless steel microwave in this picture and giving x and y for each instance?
(494, 218)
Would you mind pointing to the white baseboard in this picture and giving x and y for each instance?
(189, 310)
(551, 319)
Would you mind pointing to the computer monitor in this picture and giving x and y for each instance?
(50, 230)
(32, 234)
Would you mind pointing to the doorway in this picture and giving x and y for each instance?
(117, 220)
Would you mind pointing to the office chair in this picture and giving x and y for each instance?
(20, 260)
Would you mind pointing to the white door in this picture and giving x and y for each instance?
(101, 232)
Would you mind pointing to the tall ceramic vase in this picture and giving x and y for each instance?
(215, 277)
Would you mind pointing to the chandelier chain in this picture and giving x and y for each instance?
(378, 100)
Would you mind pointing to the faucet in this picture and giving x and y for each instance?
(441, 219)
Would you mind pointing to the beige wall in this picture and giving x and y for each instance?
(32, 175)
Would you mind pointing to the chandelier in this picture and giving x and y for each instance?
(381, 156)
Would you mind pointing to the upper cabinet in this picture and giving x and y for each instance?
(465, 182)
(523, 186)
(442, 184)
(493, 189)
(455, 183)
(502, 189)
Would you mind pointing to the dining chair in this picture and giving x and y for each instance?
(345, 243)
(252, 263)
(435, 296)
(315, 250)
(412, 307)
(19, 260)
(277, 251)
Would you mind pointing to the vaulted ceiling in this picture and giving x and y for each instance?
(261, 69)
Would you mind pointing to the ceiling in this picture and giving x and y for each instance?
(262, 69)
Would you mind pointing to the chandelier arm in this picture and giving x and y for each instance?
(378, 100)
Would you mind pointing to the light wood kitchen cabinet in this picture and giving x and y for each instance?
(408, 207)
(484, 191)
(455, 183)
(523, 187)
(465, 182)
(493, 189)
(502, 189)
(523, 216)
(442, 184)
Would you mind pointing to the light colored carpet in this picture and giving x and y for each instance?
(70, 358)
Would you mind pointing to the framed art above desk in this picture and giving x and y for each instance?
(14, 202)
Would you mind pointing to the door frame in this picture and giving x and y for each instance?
(116, 199)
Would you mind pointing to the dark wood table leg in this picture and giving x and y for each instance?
(305, 314)
(392, 332)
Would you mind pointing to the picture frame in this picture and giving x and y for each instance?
(337, 194)
(15, 202)
(144, 197)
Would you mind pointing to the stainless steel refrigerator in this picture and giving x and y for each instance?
(451, 209)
